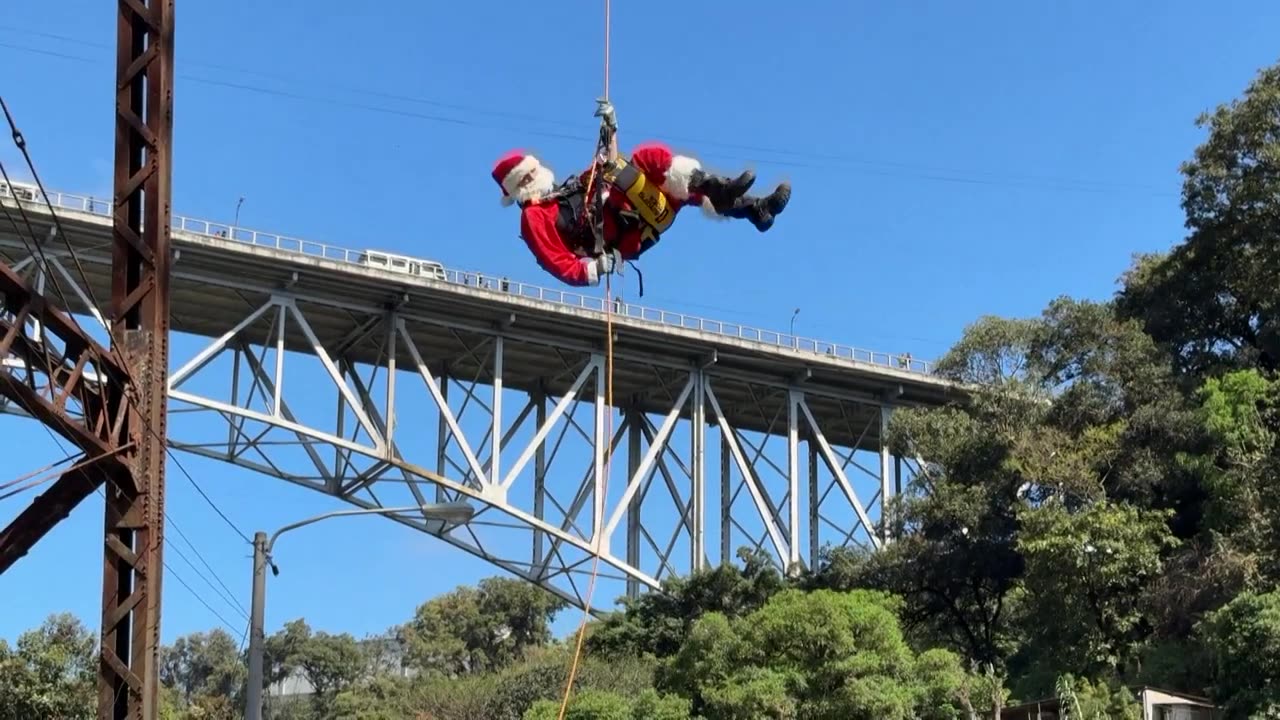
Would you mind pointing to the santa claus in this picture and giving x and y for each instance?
(551, 218)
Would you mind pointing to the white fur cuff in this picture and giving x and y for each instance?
(709, 210)
(679, 175)
(593, 272)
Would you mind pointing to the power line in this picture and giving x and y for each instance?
(38, 250)
(225, 593)
(35, 248)
(880, 168)
(58, 223)
(227, 597)
(554, 121)
(199, 597)
(20, 142)
(204, 562)
(200, 490)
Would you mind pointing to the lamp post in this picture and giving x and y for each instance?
(794, 342)
(455, 512)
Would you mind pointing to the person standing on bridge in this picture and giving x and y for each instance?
(617, 209)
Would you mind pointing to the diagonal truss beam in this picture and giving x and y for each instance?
(55, 386)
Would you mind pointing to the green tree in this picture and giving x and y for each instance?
(203, 664)
(657, 623)
(470, 630)
(331, 663)
(812, 654)
(1087, 571)
(51, 673)
(1243, 638)
(1212, 299)
(1239, 412)
(280, 650)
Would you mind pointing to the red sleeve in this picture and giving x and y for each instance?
(538, 229)
(652, 159)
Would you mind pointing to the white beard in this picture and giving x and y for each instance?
(544, 181)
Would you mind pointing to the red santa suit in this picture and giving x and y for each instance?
(566, 255)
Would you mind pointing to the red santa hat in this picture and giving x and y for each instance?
(510, 169)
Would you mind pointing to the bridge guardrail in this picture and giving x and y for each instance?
(901, 361)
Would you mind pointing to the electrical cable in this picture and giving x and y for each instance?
(17, 135)
(878, 168)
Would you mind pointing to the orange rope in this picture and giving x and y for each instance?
(598, 521)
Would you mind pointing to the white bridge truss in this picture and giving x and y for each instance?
(401, 402)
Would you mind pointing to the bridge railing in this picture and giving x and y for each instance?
(667, 318)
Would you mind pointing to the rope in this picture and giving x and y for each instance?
(608, 434)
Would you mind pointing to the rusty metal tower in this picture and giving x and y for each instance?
(111, 403)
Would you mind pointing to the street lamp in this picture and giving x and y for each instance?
(454, 512)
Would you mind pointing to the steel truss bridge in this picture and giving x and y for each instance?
(305, 362)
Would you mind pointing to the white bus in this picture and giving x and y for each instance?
(402, 264)
(28, 192)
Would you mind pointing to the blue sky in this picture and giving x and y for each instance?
(948, 159)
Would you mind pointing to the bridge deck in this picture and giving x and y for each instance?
(221, 274)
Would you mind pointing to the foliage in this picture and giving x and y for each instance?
(202, 667)
(1243, 638)
(1086, 573)
(779, 662)
(1212, 301)
(50, 672)
(470, 630)
(1099, 700)
(602, 705)
(657, 623)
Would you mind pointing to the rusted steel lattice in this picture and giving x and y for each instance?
(67, 381)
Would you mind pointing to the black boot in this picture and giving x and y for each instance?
(761, 211)
(721, 191)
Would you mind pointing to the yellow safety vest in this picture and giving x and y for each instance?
(647, 198)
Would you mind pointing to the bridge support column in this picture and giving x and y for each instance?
(495, 451)
(726, 499)
(698, 489)
(539, 478)
(601, 446)
(794, 398)
(635, 431)
(887, 484)
(815, 505)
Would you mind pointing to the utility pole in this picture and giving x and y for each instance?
(253, 692)
(446, 512)
(128, 682)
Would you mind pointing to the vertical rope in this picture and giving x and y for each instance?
(606, 49)
(597, 521)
